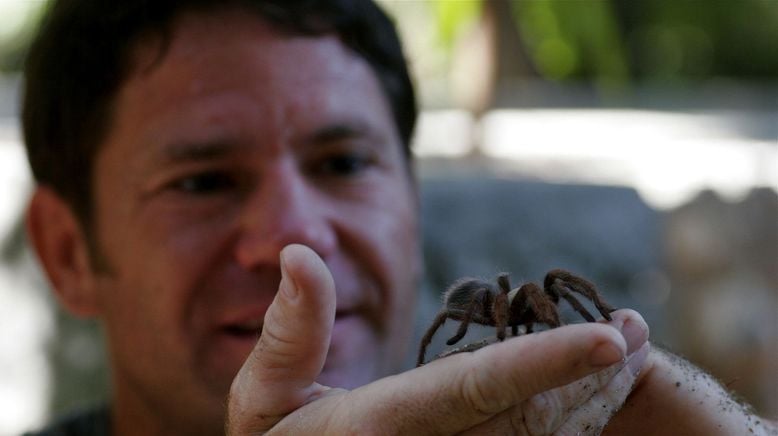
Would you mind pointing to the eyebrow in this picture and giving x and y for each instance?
(199, 151)
(340, 131)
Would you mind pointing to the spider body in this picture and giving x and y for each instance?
(473, 300)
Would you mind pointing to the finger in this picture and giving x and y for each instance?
(547, 411)
(279, 374)
(601, 385)
(460, 391)
(632, 326)
(591, 417)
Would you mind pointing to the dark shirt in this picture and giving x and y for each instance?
(91, 422)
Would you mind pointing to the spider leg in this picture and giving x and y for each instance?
(531, 305)
(558, 290)
(583, 287)
(537, 307)
(588, 290)
(483, 295)
(500, 314)
(425, 341)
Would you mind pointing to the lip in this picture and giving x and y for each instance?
(245, 316)
(253, 320)
(348, 326)
(248, 331)
(240, 330)
(230, 345)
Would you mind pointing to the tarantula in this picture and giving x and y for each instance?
(472, 300)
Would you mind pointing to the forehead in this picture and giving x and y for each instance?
(210, 51)
(216, 36)
(231, 70)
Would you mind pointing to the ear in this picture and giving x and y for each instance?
(63, 251)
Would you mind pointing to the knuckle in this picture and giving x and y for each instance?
(517, 422)
(278, 342)
(361, 428)
(477, 390)
(541, 413)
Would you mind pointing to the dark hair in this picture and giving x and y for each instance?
(82, 54)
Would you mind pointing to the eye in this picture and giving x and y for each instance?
(345, 164)
(207, 183)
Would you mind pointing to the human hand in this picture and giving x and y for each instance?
(584, 406)
(524, 385)
(672, 395)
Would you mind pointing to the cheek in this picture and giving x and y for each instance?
(392, 232)
(133, 315)
(162, 263)
(186, 239)
(398, 242)
(156, 290)
(187, 253)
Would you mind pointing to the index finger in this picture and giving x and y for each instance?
(453, 394)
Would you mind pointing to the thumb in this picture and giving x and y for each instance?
(279, 374)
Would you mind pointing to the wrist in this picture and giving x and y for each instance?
(672, 394)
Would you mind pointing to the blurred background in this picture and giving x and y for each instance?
(632, 142)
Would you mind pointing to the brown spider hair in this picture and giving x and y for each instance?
(83, 52)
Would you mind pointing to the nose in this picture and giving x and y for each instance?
(286, 208)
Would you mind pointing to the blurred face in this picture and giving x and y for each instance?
(236, 142)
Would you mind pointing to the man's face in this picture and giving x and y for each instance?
(236, 142)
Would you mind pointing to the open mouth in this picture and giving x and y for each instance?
(247, 330)
(253, 329)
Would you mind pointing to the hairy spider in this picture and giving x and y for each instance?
(472, 300)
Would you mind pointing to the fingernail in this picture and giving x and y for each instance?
(605, 354)
(634, 334)
(288, 287)
(637, 359)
